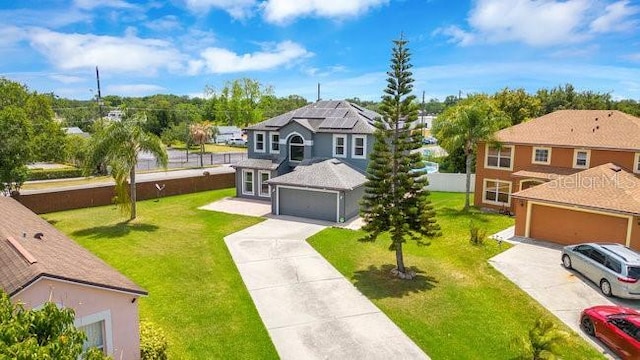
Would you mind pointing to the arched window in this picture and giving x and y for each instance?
(296, 148)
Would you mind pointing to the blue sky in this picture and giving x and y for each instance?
(182, 46)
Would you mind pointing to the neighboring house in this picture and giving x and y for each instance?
(309, 162)
(115, 115)
(75, 131)
(41, 264)
(225, 133)
(570, 176)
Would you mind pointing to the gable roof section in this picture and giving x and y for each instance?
(25, 259)
(331, 174)
(606, 187)
(609, 129)
(325, 116)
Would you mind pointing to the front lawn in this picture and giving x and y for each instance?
(177, 253)
(459, 307)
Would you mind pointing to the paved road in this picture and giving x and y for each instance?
(309, 309)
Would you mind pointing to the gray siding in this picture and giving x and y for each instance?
(252, 154)
(323, 148)
(256, 184)
(352, 202)
(309, 204)
(287, 132)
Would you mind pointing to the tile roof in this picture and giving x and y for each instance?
(606, 187)
(325, 116)
(330, 174)
(54, 255)
(260, 164)
(544, 172)
(610, 129)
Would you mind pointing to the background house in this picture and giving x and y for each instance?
(225, 133)
(309, 162)
(40, 264)
(588, 162)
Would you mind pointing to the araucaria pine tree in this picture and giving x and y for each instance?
(396, 200)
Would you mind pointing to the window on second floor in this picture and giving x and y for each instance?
(541, 155)
(581, 158)
(359, 146)
(258, 141)
(275, 143)
(636, 164)
(499, 158)
(339, 146)
(296, 148)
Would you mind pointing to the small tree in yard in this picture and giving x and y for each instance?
(396, 200)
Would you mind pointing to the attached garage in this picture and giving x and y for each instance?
(309, 203)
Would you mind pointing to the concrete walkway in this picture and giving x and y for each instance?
(309, 309)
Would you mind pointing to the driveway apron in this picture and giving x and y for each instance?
(309, 309)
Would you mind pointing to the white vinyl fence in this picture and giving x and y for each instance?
(450, 182)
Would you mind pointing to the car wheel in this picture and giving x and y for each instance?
(587, 326)
(605, 287)
(566, 261)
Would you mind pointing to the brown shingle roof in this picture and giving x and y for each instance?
(544, 172)
(606, 187)
(56, 256)
(610, 129)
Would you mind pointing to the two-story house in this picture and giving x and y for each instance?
(309, 162)
(570, 176)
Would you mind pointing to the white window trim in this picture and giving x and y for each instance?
(486, 158)
(271, 142)
(244, 180)
(575, 158)
(255, 141)
(108, 332)
(260, 193)
(333, 150)
(498, 203)
(288, 144)
(533, 155)
(636, 163)
(364, 147)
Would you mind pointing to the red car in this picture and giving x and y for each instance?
(618, 327)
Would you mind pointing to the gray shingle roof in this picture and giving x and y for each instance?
(260, 164)
(325, 116)
(56, 256)
(329, 174)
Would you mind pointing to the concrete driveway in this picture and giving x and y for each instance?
(309, 309)
(537, 269)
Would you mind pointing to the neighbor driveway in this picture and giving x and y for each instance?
(537, 269)
(309, 309)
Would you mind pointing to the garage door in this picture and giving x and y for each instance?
(307, 203)
(567, 227)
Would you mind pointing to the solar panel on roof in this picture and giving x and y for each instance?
(338, 123)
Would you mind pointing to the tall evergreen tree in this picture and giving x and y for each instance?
(396, 200)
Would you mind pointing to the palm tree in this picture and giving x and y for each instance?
(201, 134)
(465, 124)
(117, 144)
(542, 342)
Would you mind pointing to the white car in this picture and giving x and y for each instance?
(237, 142)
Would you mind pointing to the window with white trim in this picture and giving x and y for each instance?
(636, 164)
(339, 146)
(264, 187)
(541, 155)
(499, 158)
(497, 192)
(258, 141)
(581, 158)
(95, 335)
(296, 148)
(275, 143)
(358, 146)
(247, 182)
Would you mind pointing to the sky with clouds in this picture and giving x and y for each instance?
(182, 46)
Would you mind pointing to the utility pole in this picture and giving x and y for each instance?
(318, 99)
(99, 99)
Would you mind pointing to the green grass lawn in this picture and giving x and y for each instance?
(177, 253)
(459, 307)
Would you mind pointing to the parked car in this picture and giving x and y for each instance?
(429, 140)
(618, 327)
(237, 142)
(613, 267)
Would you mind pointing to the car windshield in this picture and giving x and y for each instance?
(634, 272)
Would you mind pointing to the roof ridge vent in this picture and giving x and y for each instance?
(615, 168)
(22, 251)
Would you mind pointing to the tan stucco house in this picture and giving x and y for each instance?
(569, 177)
(40, 264)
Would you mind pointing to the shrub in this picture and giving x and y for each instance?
(542, 342)
(153, 343)
(57, 173)
(477, 234)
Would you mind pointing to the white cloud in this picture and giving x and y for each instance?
(616, 18)
(67, 79)
(127, 54)
(92, 4)
(218, 60)
(283, 11)
(134, 89)
(165, 23)
(238, 9)
(455, 35)
(633, 57)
